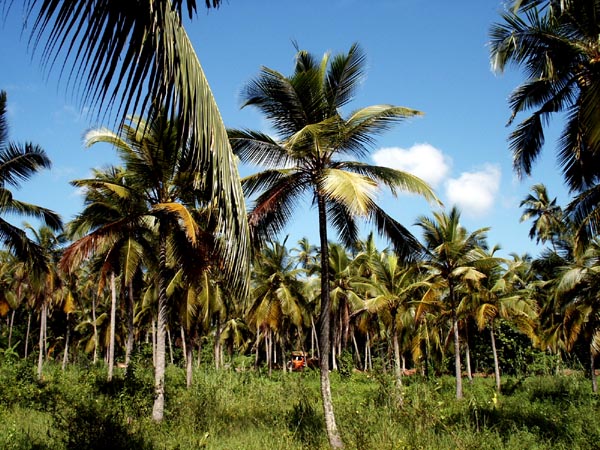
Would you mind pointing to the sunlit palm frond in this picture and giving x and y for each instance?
(355, 191)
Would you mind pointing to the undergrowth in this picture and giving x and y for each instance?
(79, 409)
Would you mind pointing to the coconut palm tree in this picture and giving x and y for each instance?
(18, 162)
(278, 300)
(556, 44)
(139, 60)
(503, 295)
(307, 158)
(577, 291)
(395, 287)
(46, 281)
(452, 253)
(546, 214)
(160, 174)
(105, 229)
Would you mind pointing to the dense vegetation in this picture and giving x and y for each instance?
(148, 305)
(226, 409)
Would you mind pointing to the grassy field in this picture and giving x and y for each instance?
(78, 409)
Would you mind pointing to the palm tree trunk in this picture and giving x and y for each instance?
(397, 363)
(27, 333)
(333, 435)
(593, 370)
(42, 340)
(495, 352)
(154, 342)
(257, 347)
(268, 346)
(457, 370)
(95, 326)
(10, 327)
(113, 321)
(159, 370)
(357, 351)
(170, 346)
(188, 351)
(66, 353)
(130, 328)
(468, 360)
(316, 338)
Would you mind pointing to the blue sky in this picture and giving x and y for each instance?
(431, 56)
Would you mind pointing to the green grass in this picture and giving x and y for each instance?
(246, 410)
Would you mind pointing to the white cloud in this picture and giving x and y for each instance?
(474, 192)
(422, 160)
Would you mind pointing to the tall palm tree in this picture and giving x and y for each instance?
(395, 287)
(503, 294)
(556, 44)
(47, 281)
(160, 174)
(18, 162)
(306, 158)
(452, 253)
(139, 58)
(278, 300)
(104, 229)
(546, 214)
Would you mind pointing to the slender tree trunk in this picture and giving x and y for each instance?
(333, 435)
(593, 370)
(130, 328)
(183, 344)
(159, 370)
(27, 334)
(95, 327)
(268, 351)
(154, 340)
(257, 347)
(457, 370)
(188, 352)
(170, 346)
(468, 360)
(316, 338)
(113, 322)
(495, 353)
(397, 362)
(42, 340)
(66, 353)
(334, 357)
(357, 351)
(10, 327)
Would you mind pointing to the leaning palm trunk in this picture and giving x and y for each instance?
(468, 360)
(10, 327)
(495, 352)
(66, 353)
(335, 441)
(27, 333)
(159, 369)
(113, 322)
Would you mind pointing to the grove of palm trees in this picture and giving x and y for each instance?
(166, 313)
